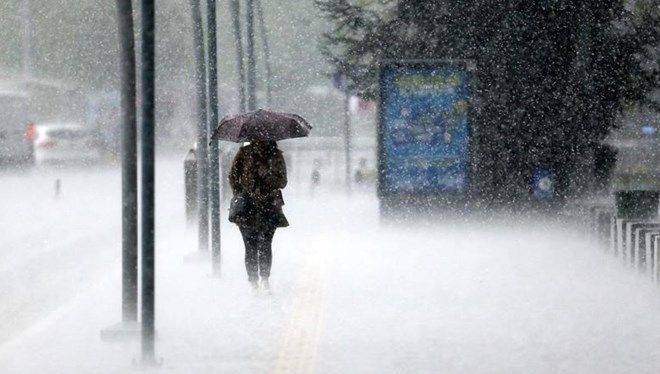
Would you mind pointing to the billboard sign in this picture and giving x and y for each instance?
(424, 127)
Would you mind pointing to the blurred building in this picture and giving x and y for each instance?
(638, 143)
(49, 100)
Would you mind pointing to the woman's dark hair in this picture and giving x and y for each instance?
(266, 148)
(265, 144)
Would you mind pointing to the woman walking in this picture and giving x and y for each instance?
(257, 175)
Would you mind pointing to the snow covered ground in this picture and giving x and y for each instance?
(350, 295)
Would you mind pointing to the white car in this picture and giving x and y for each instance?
(64, 143)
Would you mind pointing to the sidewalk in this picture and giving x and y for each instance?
(204, 324)
(352, 297)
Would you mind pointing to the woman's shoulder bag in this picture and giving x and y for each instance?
(239, 208)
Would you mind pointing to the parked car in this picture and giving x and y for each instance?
(16, 132)
(66, 142)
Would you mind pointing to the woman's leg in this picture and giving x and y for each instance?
(265, 252)
(250, 239)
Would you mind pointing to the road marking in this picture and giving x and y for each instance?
(301, 338)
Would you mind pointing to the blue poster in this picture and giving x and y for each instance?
(425, 128)
(543, 184)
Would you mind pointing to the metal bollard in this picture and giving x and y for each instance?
(632, 207)
(649, 237)
(613, 235)
(603, 223)
(655, 246)
(629, 251)
(643, 240)
(190, 185)
(637, 235)
(58, 188)
(619, 246)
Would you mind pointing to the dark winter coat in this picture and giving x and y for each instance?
(259, 172)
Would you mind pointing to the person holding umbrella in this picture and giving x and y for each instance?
(257, 177)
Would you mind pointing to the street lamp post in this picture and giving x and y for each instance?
(148, 180)
(251, 63)
(129, 163)
(202, 129)
(340, 81)
(263, 31)
(128, 327)
(214, 152)
(347, 138)
(27, 38)
(235, 7)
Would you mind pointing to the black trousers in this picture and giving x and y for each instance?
(258, 250)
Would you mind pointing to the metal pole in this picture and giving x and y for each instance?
(27, 38)
(251, 64)
(214, 153)
(202, 130)
(238, 36)
(264, 41)
(129, 161)
(347, 137)
(148, 181)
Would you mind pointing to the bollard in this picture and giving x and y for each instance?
(613, 235)
(627, 240)
(655, 246)
(619, 230)
(635, 240)
(649, 237)
(603, 219)
(58, 188)
(642, 246)
(632, 206)
(190, 185)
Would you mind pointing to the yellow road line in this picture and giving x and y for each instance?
(300, 342)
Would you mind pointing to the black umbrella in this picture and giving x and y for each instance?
(261, 125)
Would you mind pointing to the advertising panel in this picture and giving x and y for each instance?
(424, 127)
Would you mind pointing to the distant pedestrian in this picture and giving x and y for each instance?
(58, 188)
(316, 176)
(361, 172)
(257, 175)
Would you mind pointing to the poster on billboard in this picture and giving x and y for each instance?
(424, 127)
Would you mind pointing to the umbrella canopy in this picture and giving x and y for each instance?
(261, 125)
